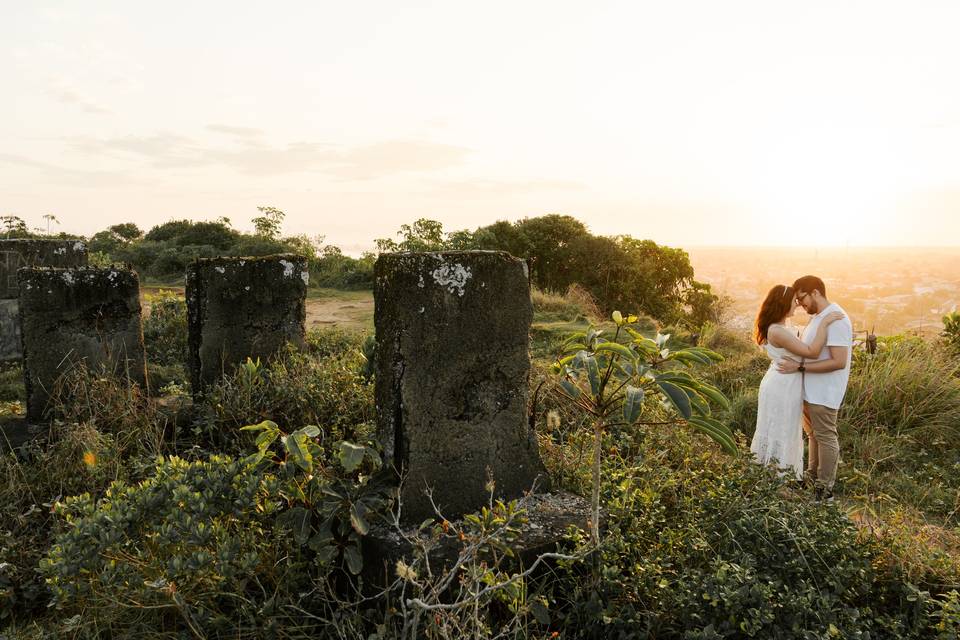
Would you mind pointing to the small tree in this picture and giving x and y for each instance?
(269, 221)
(14, 227)
(951, 330)
(49, 217)
(609, 379)
(423, 235)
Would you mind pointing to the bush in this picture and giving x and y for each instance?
(295, 389)
(189, 548)
(165, 329)
(73, 459)
(699, 547)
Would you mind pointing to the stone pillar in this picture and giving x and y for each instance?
(81, 315)
(18, 253)
(452, 375)
(242, 307)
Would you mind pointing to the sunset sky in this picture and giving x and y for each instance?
(690, 123)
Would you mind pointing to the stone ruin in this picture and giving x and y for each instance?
(18, 253)
(452, 375)
(452, 370)
(242, 307)
(78, 315)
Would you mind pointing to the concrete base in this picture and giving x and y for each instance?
(548, 515)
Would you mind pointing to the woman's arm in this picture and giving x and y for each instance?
(781, 337)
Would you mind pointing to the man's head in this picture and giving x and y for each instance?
(811, 294)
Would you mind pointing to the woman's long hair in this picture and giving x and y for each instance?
(775, 308)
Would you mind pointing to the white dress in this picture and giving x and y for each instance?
(778, 439)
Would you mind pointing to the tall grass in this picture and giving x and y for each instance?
(907, 388)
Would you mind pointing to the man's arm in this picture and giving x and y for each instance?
(837, 360)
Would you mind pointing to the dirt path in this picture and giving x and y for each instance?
(344, 309)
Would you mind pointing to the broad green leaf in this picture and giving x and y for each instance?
(593, 374)
(614, 347)
(570, 389)
(677, 397)
(540, 612)
(354, 560)
(632, 403)
(715, 430)
(296, 446)
(311, 431)
(266, 438)
(266, 424)
(697, 402)
(350, 455)
(296, 520)
(357, 521)
(714, 394)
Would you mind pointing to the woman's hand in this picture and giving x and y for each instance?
(832, 317)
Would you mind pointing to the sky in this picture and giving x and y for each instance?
(822, 123)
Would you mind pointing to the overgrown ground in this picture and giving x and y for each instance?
(698, 544)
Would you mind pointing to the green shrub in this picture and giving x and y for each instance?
(701, 547)
(189, 548)
(165, 329)
(72, 459)
(294, 388)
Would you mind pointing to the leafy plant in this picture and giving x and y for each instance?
(609, 380)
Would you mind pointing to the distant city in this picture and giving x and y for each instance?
(886, 290)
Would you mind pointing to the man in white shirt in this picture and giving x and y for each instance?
(824, 382)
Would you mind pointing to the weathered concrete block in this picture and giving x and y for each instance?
(242, 307)
(72, 316)
(15, 254)
(452, 369)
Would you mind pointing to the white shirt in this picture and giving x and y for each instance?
(828, 388)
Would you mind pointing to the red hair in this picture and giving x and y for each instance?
(775, 308)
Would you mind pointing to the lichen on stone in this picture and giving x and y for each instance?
(452, 276)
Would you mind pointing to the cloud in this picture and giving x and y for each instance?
(250, 156)
(481, 188)
(69, 176)
(72, 98)
(243, 132)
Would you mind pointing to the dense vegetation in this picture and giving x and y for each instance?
(143, 518)
(618, 272)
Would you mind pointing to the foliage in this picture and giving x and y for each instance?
(294, 388)
(422, 235)
(165, 328)
(332, 268)
(218, 546)
(113, 406)
(13, 227)
(73, 459)
(609, 381)
(951, 330)
(703, 546)
(269, 221)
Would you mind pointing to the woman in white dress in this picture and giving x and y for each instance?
(778, 439)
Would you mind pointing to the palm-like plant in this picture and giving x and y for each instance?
(609, 379)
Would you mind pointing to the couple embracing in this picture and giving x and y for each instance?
(805, 384)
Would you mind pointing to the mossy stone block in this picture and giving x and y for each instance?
(451, 378)
(81, 315)
(239, 308)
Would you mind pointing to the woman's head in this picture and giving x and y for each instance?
(777, 306)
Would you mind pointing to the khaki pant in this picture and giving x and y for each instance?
(823, 448)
